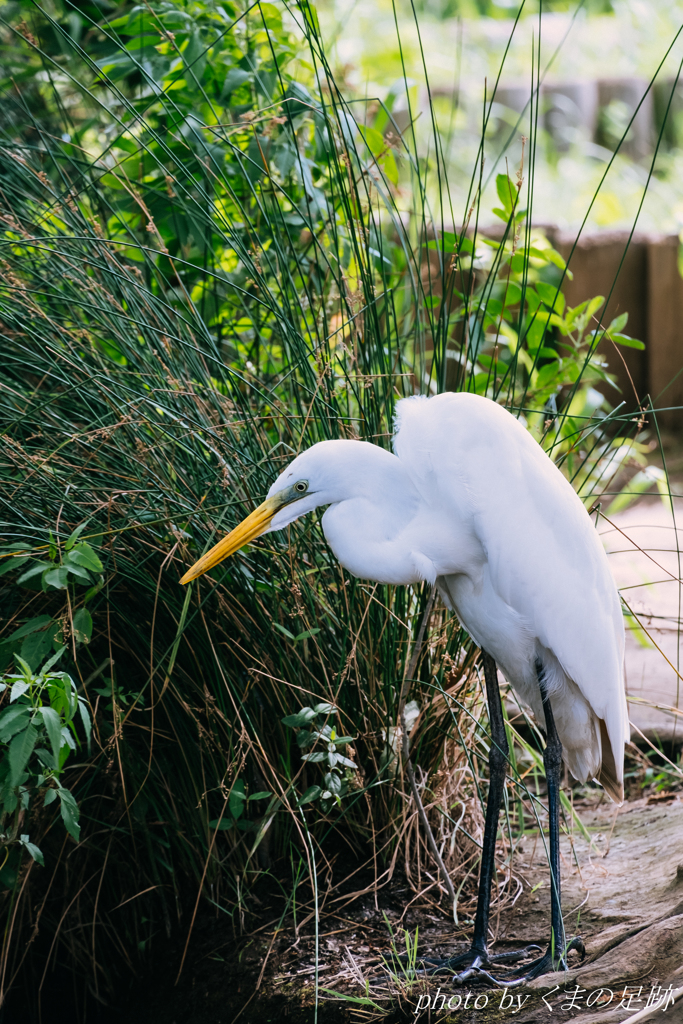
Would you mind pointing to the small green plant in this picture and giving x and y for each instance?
(664, 781)
(52, 567)
(402, 967)
(237, 804)
(312, 729)
(37, 734)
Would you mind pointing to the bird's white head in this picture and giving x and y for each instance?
(326, 473)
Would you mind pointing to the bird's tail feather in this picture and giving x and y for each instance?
(607, 776)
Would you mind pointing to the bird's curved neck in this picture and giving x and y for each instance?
(367, 528)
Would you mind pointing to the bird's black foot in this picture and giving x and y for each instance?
(482, 965)
(545, 963)
(474, 962)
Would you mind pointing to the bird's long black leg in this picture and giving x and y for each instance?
(555, 955)
(477, 959)
(478, 962)
(552, 762)
(498, 757)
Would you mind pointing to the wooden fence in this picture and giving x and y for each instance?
(642, 278)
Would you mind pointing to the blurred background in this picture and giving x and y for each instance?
(582, 72)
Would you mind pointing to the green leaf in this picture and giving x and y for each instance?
(345, 760)
(18, 689)
(513, 294)
(20, 749)
(618, 323)
(507, 193)
(552, 296)
(73, 537)
(388, 165)
(309, 632)
(361, 1000)
(233, 80)
(37, 567)
(53, 725)
(46, 758)
(50, 797)
(664, 488)
(69, 809)
(303, 717)
(314, 758)
(547, 374)
(222, 824)
(85, 719)
(549, 255)
(312, 793)
(373, 139)
(311, 16)
(53, 660)
(259, 796)
(33, 850)
(626, 342)
(594, 305)
(237, 799)
(325, 709)
(12, 721)
(35, 647)
(76, 569)
(450, 243)
(32, 626)
(57, 578)
(563, 325)
(271, 16)
(573, 312)
(82, 626)
(547, 353)
(333, 783)
(286, 632)
(637, 485)
(8, 564)
(25, 668)
(68, 743)
(84, 555)
(93, 590)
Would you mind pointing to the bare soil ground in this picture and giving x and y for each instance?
(624, 885)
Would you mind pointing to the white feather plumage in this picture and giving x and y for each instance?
(471, 502)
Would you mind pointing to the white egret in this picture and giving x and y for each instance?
(470, 502)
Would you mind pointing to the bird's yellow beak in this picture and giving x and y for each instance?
(249, 529)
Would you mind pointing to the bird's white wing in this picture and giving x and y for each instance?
(545, 559)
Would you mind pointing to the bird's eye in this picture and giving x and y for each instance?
(301, 486)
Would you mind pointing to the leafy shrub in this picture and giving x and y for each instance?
(312, 731)
(37, 732)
